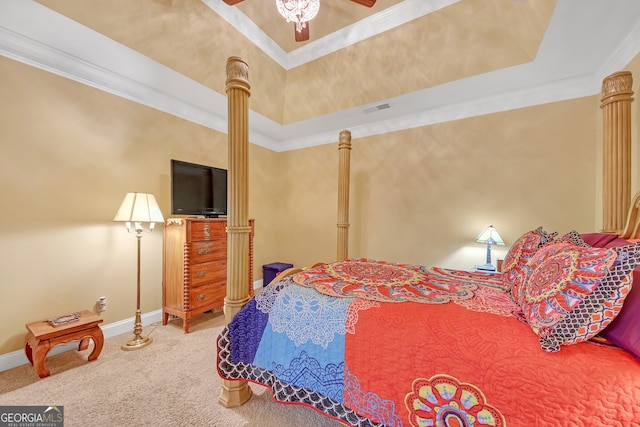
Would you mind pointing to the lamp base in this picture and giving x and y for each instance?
(486, 267)
(136, 343)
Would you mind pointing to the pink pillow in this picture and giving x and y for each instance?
(599, 240)
(624, 331)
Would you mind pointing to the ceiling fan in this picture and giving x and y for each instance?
(300, 12)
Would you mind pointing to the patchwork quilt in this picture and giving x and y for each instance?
(374, 343)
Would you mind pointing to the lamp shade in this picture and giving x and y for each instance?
(139, 207)
(490, 235)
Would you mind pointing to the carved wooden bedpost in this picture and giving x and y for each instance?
(344, 150)
(616, 168)
(236, 393)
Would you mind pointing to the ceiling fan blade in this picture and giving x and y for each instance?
(232, 2)
(367, 3)
(303, 35)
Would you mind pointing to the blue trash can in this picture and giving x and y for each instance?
(270, 271)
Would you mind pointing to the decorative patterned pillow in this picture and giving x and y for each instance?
(519, 253)
(570, 293)
(574, 237)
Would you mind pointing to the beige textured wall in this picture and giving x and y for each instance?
(69, 155)
(423, 195)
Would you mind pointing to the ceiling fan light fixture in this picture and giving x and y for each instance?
(298, 11)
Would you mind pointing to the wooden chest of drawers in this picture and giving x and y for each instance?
(195, 267)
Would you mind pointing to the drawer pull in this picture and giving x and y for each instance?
(207, 230)
(202, 251)
(201, 297)
(201, 273)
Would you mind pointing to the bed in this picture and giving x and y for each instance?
(553, 339)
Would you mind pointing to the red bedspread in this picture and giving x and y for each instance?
(427, 347)
(498, 358)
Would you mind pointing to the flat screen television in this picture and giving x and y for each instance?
(198, 189)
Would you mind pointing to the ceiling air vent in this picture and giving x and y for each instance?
(377, 108)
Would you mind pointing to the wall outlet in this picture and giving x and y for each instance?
(101, 304)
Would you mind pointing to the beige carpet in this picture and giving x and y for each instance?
(172, 382)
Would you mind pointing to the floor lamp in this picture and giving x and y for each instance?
(136, 210)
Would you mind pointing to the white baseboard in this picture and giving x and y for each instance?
(257, 284)
(18, 358)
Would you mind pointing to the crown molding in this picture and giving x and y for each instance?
(552, 92)
(621, 54)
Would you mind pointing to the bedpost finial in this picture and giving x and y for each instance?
(237, 73)
(617, 87)
(345, 139)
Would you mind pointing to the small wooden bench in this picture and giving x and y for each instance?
(42, 337)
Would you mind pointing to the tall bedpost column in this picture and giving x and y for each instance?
(236, 393)
(616, 168)
(344, 152)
